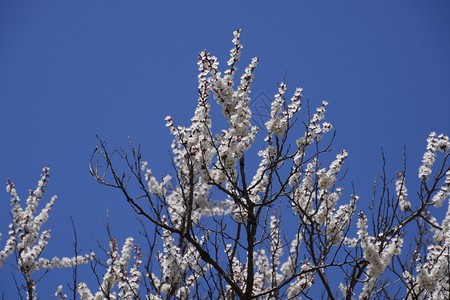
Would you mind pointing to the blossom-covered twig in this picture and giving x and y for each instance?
(27, 239)
(117, 273)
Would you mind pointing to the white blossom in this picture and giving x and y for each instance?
(378, 255)
(59, 293)
(302, 282)
(117, 274)
(25, 233)
(402, 192)
(435, 143)
(443, 193)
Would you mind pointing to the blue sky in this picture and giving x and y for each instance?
(71, 70)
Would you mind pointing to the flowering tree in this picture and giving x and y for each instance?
(223, 228)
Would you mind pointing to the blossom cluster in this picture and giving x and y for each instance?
(176, 266)
(25, 236)
(431, 280)
(269, 270)
(378, 253)
(443, 193)
(128, 282)
(180, 268)
(197, 154)
(315, 129)
(280, 118)
(320, 205)
(435, 143)
(402, 192)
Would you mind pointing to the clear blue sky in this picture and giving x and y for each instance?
(72, 69)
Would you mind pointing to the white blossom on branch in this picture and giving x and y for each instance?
(26, 237)
(117, 273)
